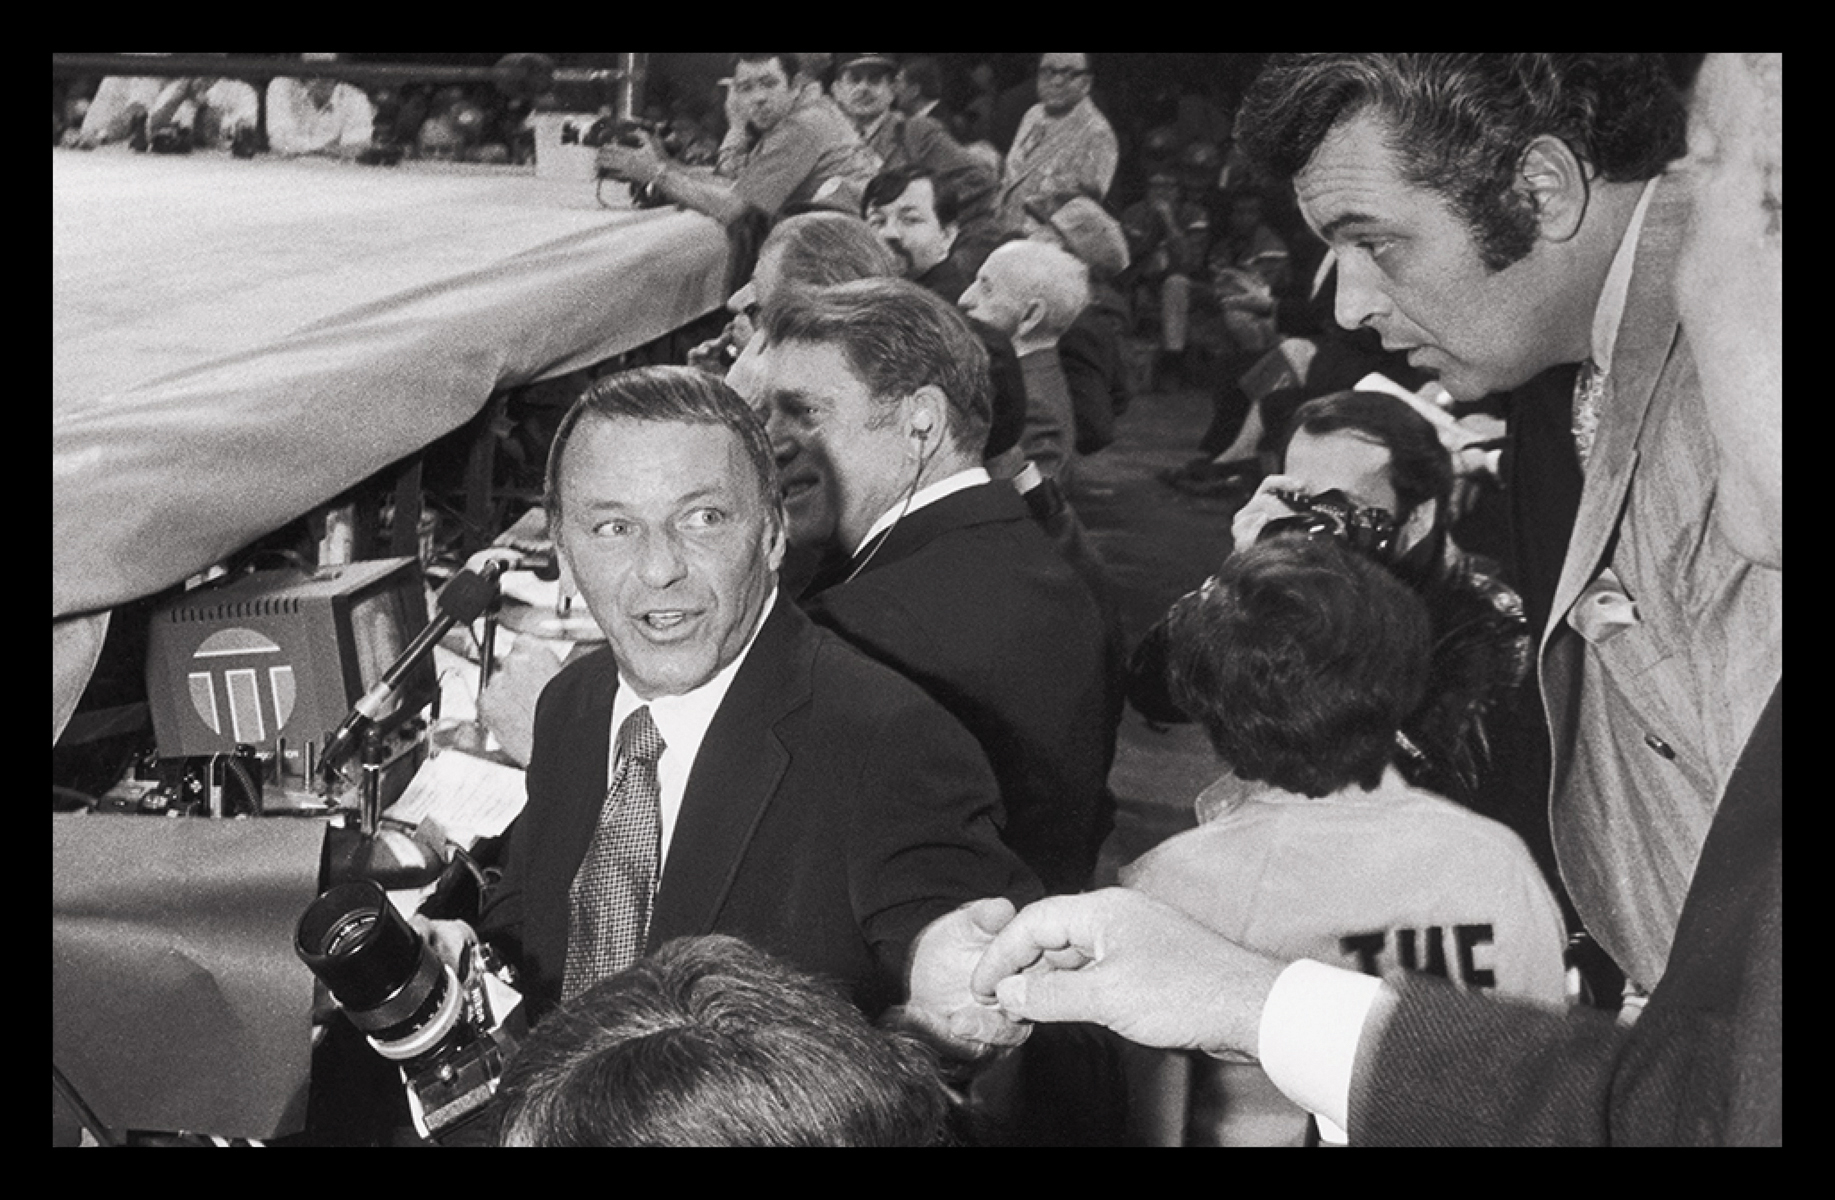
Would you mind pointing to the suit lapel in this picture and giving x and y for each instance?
(588, 756)
(1646, 342)
(734, 779)
(578, 784)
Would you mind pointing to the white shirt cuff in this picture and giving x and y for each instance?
(1310, 1028)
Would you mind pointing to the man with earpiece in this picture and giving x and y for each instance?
(877, 401)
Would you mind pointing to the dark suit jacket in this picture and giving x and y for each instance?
(833, 811)
(1091, 357)
(1703, 1065)
(968, 598)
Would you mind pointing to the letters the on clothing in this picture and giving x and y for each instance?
(1424, 952)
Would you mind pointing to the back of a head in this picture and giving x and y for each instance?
(818, 249)
(1093, 236)
(1302, 659)
(898, 336)
(1460, 123)
(711, 1042)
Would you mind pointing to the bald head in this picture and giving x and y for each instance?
(1030, 291)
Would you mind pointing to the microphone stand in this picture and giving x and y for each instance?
(465, 596)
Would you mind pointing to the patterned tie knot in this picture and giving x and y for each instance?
(638, 739)
(1589, 397)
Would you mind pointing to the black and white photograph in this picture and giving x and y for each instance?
(917, 600)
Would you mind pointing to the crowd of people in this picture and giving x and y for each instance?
(809, 843)
(312, 114)
(1353, 942)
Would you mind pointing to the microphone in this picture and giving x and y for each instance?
(463, 599)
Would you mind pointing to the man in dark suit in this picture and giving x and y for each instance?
(878, 406)
(1703, 1063)
(802, 796)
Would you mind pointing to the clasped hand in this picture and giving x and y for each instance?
(633, 164)
(1120, 959)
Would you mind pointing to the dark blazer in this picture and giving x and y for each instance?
(1091, 357)
(834, 810)
(1703, 1065)
(969, 598)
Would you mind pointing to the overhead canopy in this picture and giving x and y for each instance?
(235, 342)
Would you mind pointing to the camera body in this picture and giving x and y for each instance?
(1369, 531)
(632, 134)
(450, 1038)
(624, 132)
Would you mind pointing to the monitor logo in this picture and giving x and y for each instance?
(235, 681)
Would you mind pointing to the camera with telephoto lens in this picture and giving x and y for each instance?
(1369, 531)
(631, 134)
(450, 1038)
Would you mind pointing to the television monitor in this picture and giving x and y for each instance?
(281, 655)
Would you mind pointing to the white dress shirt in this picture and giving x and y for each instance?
(960, 481)
(682, 723)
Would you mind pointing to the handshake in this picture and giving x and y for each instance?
(981, 976)
(1115, 958)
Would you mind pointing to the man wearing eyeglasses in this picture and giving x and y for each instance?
(1064, 147)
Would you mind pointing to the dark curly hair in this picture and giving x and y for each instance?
(1301, 659)
(1459, 123)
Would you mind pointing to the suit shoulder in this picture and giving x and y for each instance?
(841, 674)
(586, 669)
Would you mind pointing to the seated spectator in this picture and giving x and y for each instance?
(1086, 229)
(1252, 412)
(1249, 270)
(117, 108)
(1169, 234)
(204, 112)
(864, 91)
(1382, 455)
(805, 250)
(319, 116)
(1032, 292)
(917, 215)
(1090, 350)
(711, 1042)
(787, 148)
(1064, 147)
(1302, 660)
(917, 89)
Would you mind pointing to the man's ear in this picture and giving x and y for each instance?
(1555, 183)
(1031, 318)
(925, 413)
(778, 536)
(951, 232)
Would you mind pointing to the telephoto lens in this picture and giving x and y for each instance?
(449, 1039)
(385, 978)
